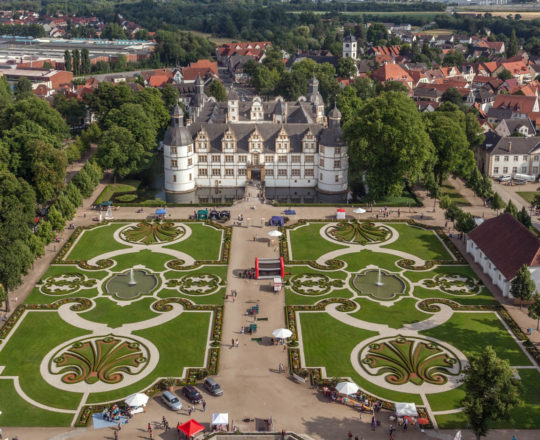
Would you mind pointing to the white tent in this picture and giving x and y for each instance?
(359, 211)
(340, 214)
(220, 419)
(347, 388)
(406, 409)
(137, 399)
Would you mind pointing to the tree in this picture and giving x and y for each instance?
(346, 67)
(513, 45)
(536, 201)
(217, 90)
(55, 218)
(452, 95)
(23, 87)
(113, 31)
(6, 94)
(170, 95)
(388, 142)
(465, 222)
(453, 212)
(136, 120)
(76, 62)
(491, 390)
(377, 32)
(522, 287)
(86, 67)
(47, 65)
(497, 202)
(511, 209)
(45, 231)
(68, 65)
(3, 297)
(453, 58)
(154, 108)
(504, 75)
(534, 310)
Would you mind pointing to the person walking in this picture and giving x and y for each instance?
(232, 342)
(115, 435)
(237, 343)
(204, 406)
(149, 428)
(119, 426)
(190, 410)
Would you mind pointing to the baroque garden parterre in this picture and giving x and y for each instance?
(77, 342)
(408, 346)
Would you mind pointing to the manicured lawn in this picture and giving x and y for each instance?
(483, 298)
(360, 260)
(215, 269)
(36, 297)
(402, 312)
(300, 269)
(181, 343)
(217, 298)
(417, 275)
(39, 333)
(96, 241)
(307, 243)
(18, 412)
(328, 342)
(404, 200)
(420, 242)
(452, 421)
(60, 269)
(447, 400)
(110, 190)
(528, 195)
(152, 260)
(292, 298)
(107, 312)
(203, 244)
(471, 332)
(454, 195)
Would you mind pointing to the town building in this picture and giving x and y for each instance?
(350, 47)
(501, 246)
(281, 144)
(502, 156)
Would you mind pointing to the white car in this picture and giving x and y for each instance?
(505, 178)
(171, 401)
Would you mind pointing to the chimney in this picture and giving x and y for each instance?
(509, 147)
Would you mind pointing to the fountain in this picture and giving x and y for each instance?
(379, 282)
(132, 281)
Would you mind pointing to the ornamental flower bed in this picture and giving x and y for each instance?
(362, 232)
(310, 284)
(451, 284)
(150, 233)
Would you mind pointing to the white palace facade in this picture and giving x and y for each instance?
(283, 144)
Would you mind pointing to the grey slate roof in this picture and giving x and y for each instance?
(515, 123)
(519, 145)
(499, 113)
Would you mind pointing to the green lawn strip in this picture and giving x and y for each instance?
(483, 298)
(18, 412)
(307, 243)
(204, 242)
(447, 400)
(299, 269)
(181, 343)
(465, 270)
(329, 342)
(360, 260)
(402, 312)
(217, 298)
(528, 195)
(36, 297)
(292, 298)
(61, 269)
(454, 195)
(154, 261)
(96, 241)
(110, 190)
(452, 421)
(39, 333)
(218, 269)
(471, 332)
(420, 242)
(107, 312)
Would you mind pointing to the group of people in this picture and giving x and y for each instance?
(114, 413)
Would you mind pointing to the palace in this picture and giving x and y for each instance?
(281, 144)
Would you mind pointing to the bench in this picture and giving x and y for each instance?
(257, 339)
(298, 379)
(262, 319)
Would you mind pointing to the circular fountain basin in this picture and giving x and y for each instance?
(390, 285)
(119, 285)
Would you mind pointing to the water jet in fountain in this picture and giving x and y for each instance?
(379, 282)
(132, 281)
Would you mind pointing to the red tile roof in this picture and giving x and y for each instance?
(507, 243)
(158, 80)
(391, 72)
(523, 104)
(205, 64)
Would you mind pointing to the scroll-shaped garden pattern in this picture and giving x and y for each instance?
(104, 358)
(359, 232)
(314, 284)
(409, 359)
(151, 233)
(66, 283)
(454, 284)
(197, 284)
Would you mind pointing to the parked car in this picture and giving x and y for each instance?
(505, 178)
(214, 215)
(192, 394)
(213, 387)
(225, 215)
(171, 401)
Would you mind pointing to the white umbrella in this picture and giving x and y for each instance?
(359, 210)
(137, 399)
(220, 419)
(347, 388)
(282, 333)
(275, 234)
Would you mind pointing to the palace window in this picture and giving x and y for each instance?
(174, 178)
(308, 172)
(174, 163)
(525, 157)
(516, 158)
(190, 177)
(203, 172)
(321, 149)
(320, 177)
(190, 149)
(496, 170)
(295, 172)
(514, 169)
(496, 158)
(216, 158)
(321, 162)
(337, 151)
(173, 150)
(506, 158)
(523, 170)
(229, 158)
(242, 158)
(216, 172)
(269, 158)
(203, 158)
(242, 172)
(309, 159)
(505, 170)
(337, 164)
(229, 172)
(295, 158)
(337, 178)
(536, 158)
(282, 158)
(190, 162)
(282, 172)
(269, 172)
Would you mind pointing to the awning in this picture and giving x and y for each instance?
(191, 427)
(220, 419)
(341, 210)
(161, 211)
(406, 409)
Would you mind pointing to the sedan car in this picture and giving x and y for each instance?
(171, 401)
(213, 387)
(192, 394)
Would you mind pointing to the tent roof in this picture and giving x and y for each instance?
(220, 419)
(406, 409)
(161, 211)
(340, 210)
(191, 427)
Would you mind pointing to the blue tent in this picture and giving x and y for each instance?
(161, 211)
(276, 221)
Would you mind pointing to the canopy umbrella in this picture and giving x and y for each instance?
(359, 210)
(191, 427)
(347, 388)
(423, 421)
(406, 409)
(282, 333)
(137, 399)
(220, 419)
(106, 203)
(275, 234)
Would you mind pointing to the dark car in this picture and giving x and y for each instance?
(192, 394)
(213, 387)
(214, 215)
(225, 215)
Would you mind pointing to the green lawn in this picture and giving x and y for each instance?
(292, 298)
(447, 400)
(420, 242)
(110, 190)
(454, 195)
(18, 412)
(107, 312)
(203, 244)
(96, 241)
(360, 260)
(307, 243)
(181, 343)
(39, 333)
(471, 332)
(328, 342)
(402, 312)
(36, 297)
(528, 195)
(152, 260)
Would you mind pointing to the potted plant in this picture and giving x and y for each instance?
(170, 382)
